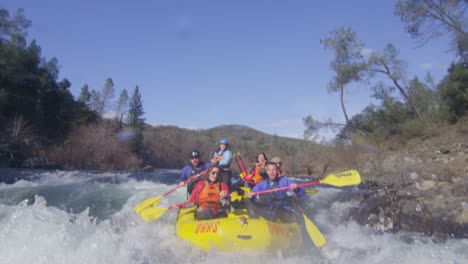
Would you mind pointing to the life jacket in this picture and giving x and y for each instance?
(256, 173)
(210, 196)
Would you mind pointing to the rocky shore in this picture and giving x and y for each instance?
(422, 189)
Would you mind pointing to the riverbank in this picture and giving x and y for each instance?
(418, 189)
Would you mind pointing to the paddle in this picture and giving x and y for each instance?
(155, 200)
(315, 235)
(346, 178)
(311, 191)
(237, 162)
(154, 213)
(244, 169)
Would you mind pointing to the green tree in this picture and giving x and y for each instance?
(428, 19)
(389, 64)
(135, 119)
(454, 92)
(348, 63)
(135, 113)
(85, 96)
(17, 25)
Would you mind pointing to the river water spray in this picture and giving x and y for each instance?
(87, 217)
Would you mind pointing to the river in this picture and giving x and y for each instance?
(87, 217)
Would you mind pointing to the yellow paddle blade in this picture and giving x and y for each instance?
(147, 203)
(152, 213)
(245, 189)
(315, 234)
(345, 178)
(311, 191)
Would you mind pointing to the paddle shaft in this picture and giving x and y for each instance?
(237, 162)
(242, 169)
(315, 235)
(299, 207)
(288, 187)
(243, 165)
(191, 179)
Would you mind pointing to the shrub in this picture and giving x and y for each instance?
(95, 146)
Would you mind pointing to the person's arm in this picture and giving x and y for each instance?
(225, 189)
(227, 156)
(256, 188)
(293, 186)
(184, 175)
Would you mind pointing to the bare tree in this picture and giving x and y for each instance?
(107, 93)
(19, 131)
(122, 106)
(96, 102)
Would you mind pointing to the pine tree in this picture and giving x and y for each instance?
(135, 113)
(85, 96)
(135, 120)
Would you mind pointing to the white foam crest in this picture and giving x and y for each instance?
(349, 242)
(18, 184)
(39, 233)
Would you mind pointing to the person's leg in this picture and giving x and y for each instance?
(285, 215)
(256, 210)
(201, 214)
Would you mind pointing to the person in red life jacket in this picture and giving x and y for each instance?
(195, 166)
(211, 194)
(258, 172)
(279, 164)
(276, 205)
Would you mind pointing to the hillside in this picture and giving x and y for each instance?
(168, 146)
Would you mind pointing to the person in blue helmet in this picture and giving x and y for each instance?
(222, 158)
(195, 166)
(277, 205)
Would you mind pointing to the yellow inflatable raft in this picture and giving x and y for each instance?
(238, 233)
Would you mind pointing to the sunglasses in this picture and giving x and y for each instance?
(197, 157)
(214, 172)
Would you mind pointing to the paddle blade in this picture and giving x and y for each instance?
(311, 191)
(345, 178)
(315, 234)
(152, 213)
(146, 204)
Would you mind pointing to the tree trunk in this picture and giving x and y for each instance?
(343, 106)
(407, 98)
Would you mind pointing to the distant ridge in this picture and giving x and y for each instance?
(167, 146)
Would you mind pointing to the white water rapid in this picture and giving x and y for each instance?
(81, 217)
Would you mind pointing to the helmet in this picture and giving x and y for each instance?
(194, 154)
(224, 141)
(276, 160)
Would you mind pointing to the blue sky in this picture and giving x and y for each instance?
(201, 64)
